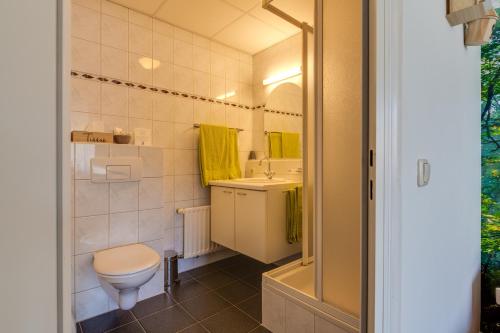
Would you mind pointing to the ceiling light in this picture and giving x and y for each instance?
(227, 95)
(282, 76)
(148, 63)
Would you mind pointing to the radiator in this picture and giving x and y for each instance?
(197, 232)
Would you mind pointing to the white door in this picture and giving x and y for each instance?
(250, 223)
(222, 216)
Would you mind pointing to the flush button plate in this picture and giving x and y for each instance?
(423, 172)
(115, 169)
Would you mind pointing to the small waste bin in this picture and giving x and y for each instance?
(171, 268)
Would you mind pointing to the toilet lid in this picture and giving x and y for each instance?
(125, 260)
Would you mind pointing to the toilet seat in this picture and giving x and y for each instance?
(126, 260)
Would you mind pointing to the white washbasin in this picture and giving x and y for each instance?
(260, 180)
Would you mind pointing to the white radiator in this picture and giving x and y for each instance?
(197, 231)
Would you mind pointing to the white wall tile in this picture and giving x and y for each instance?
(201, 83)
(114, 32)
(137, 73)
(140, 123)
(151, 224)
(141, 19)
(168, 189)
(217, 65)
(201, 112)
(163, 28)
(183, 110)
(217, 87)
(183, 79)
(140, 103)
(85, 276)
(169, 215)
(123, 197)
(201, 59)
(150, 193)
(80, 120)
(169, 240)
(114, 63)
(85, 23)
(184, 35)
(91, 233)
(114, 100)
(184, 188)
(123, 228)
(90, 303)
(85, 56)
(152, 161)
(163, 107)
(123, 151)
(163, 75)
(183, 53)
(183, 136)
(163, 134)
(163, 48)
(179, 239)
(168, 162)
(112, 122)
(200, 192)
(90, 198)
(83, 154)
(140, 40)
(85, 96)
(184, 163)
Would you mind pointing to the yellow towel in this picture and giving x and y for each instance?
(275, 145)
(218, 153)
(290, 144)
(294, 215)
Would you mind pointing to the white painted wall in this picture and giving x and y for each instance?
(440, 223)
(28, 239)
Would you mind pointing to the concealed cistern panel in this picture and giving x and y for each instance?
(115, 170)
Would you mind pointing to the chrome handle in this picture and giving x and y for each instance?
(240, 193)
(228, 192)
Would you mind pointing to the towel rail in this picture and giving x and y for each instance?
(237, 129)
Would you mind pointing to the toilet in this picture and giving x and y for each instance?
(126, 269)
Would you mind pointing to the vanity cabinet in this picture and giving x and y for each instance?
(251, 222)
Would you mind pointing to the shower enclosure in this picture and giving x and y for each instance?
(326, 290)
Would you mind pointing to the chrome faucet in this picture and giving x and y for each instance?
(269, 173)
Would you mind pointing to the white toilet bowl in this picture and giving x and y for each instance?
(126, 269)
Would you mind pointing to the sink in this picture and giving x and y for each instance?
(260, 180)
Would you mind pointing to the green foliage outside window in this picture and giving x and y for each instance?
(490, 206)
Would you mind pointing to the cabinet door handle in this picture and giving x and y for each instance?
(241, 193)
(228, 192)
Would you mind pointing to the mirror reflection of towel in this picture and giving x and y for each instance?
(284, 145)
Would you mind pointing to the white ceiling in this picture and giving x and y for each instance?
(241, 24)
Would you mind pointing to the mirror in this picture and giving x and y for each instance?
(283, 113)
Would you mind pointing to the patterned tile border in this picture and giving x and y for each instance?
(159, 90)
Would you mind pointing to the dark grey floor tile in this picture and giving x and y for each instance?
(107, 321)
(205, 305)
(236, 292)
(194, 329)
(255, 280)
(229, 261)
(133, 327)
(287, 260)
(153, 304)
(167, 321)
(200, 271)
(230, 320)
(184, 276)
(186, 289)
(251, 268)
(252, 307)
(260, 329)
(216, 280)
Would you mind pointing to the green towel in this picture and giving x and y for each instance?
(290, 144)
(218, 153)
(294, 215)
(275, 145)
